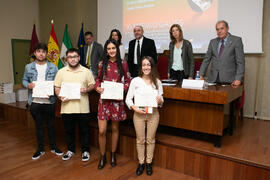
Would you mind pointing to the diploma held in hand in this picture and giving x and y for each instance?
(112, 90)
(43, 89)
(146, 98)
(70, 90)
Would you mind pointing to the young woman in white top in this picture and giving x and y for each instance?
(116, 35)
(147, 81)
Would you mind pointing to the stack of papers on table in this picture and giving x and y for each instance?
(6, 88)
(169, 82)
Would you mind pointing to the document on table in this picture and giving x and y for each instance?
(146, 98)
(43, 89)
(70, 90)
(112, 90)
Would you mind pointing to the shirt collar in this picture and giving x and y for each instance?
(226, 38)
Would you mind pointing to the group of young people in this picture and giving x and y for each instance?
(111, 67)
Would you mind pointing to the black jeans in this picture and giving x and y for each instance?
(70, 121)
(178, 75)
(41, 113)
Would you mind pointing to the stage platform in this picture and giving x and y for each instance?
(244, 155)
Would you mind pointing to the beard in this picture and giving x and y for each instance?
(74, 66)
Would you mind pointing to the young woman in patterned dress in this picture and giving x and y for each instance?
(110, 68)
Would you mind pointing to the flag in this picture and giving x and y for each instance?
(53, 50)
(81, 44)
(66, 44)
(34, 41)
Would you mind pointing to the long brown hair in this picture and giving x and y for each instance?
(153, 74)
(173, 40)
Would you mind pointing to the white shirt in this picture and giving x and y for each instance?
(41, 76)
(138, 83)
(122, 51)
(135, 49)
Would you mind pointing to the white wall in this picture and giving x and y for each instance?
(16, 19)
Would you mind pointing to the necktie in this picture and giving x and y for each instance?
(221, 48)
(138, 51)
(89, 55)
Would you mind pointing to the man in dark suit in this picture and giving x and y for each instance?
(92, 53)
(138, 48)
(227, 56)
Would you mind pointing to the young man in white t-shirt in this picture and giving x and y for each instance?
(42, 109)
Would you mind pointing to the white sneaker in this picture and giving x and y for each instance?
(85, 156)
(68, 155)
(38, 154)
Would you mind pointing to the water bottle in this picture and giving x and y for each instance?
(197, 76)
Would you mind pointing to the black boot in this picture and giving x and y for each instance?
(102, 161)
(140, 169)
(149, 170)
(113, 159)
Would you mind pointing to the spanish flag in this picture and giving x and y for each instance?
(53, 50)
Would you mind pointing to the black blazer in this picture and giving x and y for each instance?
(96, 54)
(148, 49)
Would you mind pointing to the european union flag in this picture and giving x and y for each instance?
(81, 44)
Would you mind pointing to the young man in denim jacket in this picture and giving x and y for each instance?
(42, 109)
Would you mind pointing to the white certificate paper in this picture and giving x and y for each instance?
(70, 90)
(43, 89)
(112, 90)
(146, 98)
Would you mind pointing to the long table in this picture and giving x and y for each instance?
(200, 110)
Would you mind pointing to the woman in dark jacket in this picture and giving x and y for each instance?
(181, 62)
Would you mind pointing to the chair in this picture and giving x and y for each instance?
(162, 66)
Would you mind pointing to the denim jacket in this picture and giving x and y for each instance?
(30, 75)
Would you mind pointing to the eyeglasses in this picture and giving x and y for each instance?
(71, 57)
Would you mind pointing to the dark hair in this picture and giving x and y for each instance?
(173, 40)
(105, 58)
(153, 74)
(88, 33)
(42, 46)
(118, 34)
(71, 50)
(223, 21)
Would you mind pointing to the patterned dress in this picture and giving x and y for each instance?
(112, 109)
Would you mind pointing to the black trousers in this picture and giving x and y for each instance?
(44, 113)
(178, 75)
(70, 121)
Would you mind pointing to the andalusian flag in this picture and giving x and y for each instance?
(66, 44)
(53, 50)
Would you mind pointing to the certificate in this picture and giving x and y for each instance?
(112, 90)
(70, 90)
(146, 98)
(43, 89)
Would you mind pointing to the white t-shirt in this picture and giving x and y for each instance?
(41, 76)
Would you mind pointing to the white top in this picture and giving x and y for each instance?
(122, 51)
(135, 49)
(138, 83)
(41, 73)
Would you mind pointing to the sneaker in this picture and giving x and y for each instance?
(85, 156)
(68, 155)
(38, 154)
(57, 151)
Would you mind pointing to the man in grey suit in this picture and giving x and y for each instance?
(92, 53)
(227, 56)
